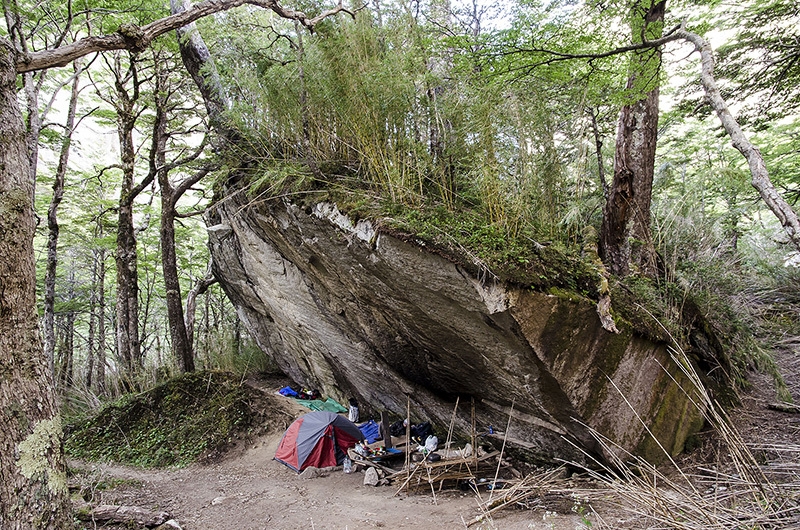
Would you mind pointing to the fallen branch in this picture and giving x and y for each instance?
(107, 513)
(782, 406)
(758, 168)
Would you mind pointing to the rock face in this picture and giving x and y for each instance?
(355, 312)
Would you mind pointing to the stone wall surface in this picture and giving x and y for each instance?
(356, 312)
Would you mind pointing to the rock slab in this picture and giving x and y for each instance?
(356, 312)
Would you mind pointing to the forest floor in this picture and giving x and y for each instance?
(245, 489)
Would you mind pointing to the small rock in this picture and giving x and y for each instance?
(310, 472)
(371, 477)
(172, 524)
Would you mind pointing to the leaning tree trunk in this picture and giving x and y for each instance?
(33, 483)
(626, 242)
(758, 169)
(199, 63)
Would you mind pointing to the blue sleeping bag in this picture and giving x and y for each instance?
(371, 431)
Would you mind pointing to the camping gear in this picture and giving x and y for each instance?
(370, 430)
(287, 391)
(318, 439)
(431, 444)
(421, 431)
(398, 428)
(330, 404)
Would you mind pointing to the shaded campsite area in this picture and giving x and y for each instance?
(235, 482)
(239, 484)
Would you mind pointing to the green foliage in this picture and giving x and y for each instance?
(762, 58)
(173, 424)
(411, 112)
(242, 357)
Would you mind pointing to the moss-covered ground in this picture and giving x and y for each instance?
(192, 417)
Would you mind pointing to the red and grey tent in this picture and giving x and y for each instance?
(319, 439)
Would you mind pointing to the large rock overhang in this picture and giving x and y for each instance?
(357, 312)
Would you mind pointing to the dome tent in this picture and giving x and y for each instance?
(318, 439)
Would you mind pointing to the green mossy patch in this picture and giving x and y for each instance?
(469, 239)
(191, 417)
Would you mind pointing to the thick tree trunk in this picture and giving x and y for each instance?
(52, 218)
(128, 343)
(626, 243)
(33, 489)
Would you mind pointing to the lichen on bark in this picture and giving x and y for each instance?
(35, 451)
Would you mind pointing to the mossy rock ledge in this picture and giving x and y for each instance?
(354, 311)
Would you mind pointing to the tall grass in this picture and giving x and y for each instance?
(735, 493)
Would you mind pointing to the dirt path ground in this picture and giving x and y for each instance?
(252, 492)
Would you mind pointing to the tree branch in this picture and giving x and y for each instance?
(557, 56)
(137, 38)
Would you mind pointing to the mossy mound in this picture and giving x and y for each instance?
(192, 417)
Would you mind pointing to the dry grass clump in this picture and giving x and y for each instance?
(746, 486)
(738, 493)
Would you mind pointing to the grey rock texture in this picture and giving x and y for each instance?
(355, 312)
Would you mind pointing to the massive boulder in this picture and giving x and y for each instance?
(355, 311)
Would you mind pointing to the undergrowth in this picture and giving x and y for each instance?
(173, 424)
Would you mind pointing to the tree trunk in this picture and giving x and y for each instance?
(128, 345)
(91, 338)
(52, 218)
(181, 346)
(129, 351)
(198, 62)
(758, 169)
(66, 351)
(191, 302)
(33, 489)
(626, 243)
(598, 146)
(100, 377)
